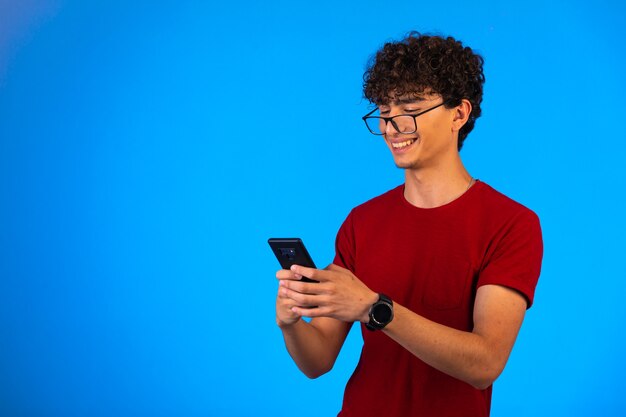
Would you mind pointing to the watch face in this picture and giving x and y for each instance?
(382, 313)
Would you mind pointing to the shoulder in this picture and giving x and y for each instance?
(379, 204)
(512, 243)
(508, 227)
(496, 205)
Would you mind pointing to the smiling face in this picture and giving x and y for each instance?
(434, 139)
(421, 64)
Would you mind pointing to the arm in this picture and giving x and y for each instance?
(476, 357)
(314, 346)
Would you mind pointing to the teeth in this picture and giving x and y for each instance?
(402, 144)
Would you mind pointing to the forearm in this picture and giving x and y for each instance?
(310, 349)
(477, 357)
(464, 355)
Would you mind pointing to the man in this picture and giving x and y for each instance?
(439, 271)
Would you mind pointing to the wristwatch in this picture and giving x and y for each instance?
(381, 313)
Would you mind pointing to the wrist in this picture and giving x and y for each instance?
(368, 303)
(380, 313)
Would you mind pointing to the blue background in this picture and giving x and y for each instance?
(149, 149)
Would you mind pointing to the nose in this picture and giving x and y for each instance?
(390, 129)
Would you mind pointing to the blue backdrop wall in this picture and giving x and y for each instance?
(149, 149)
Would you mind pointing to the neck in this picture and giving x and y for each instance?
(435, 186)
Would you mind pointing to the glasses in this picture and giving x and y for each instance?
(403, 123)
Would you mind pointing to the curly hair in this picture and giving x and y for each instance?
(427, 64)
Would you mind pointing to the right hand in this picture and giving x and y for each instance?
(284, 315)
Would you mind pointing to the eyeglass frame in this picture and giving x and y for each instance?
(393, 123)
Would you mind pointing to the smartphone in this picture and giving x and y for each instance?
(291, 251)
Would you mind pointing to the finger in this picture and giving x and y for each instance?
(286, 310)
(309, 312)
(312, 273)
(299, 299)
(283, 295)
(286, 274)
(284, 302)
(302, 287)
(286, 294)
(285, 313)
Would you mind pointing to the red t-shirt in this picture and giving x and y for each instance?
(432, 261)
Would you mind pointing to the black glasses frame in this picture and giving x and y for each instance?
(393, 123)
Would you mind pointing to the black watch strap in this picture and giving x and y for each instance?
(381, 313)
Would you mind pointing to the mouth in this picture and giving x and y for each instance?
(402, 145)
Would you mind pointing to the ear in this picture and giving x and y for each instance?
(461, 114)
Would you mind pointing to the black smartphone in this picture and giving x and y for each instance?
(291, 251)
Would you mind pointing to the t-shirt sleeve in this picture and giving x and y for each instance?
(345, 248)
(515, 261)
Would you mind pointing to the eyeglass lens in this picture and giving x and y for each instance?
(401, 123)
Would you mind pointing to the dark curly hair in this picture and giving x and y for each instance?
(424, 63)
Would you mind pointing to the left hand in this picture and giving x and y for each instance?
(338, 294)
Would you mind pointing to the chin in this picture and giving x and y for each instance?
(407, 164)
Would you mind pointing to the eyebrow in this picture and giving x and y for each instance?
(406, 100)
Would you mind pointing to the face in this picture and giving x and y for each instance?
(431, 142)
